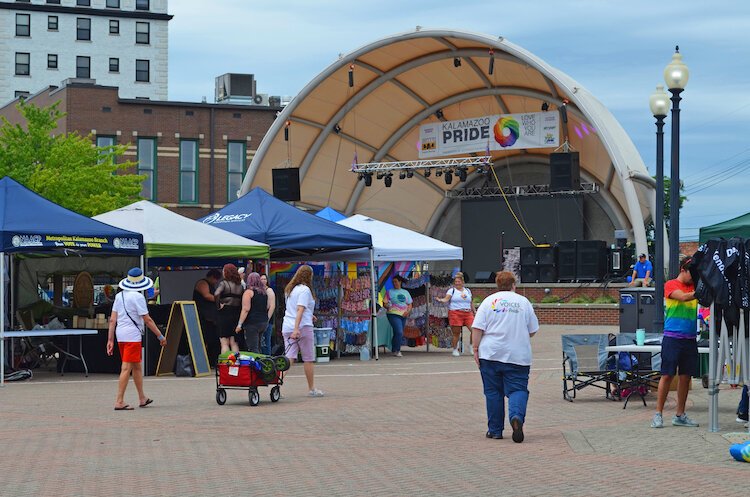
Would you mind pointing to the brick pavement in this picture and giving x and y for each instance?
(408, 426)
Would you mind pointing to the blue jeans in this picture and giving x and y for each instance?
(265, 340)
(397, 323)
(502, 379)
(742, 407)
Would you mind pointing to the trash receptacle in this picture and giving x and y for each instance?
(322, 344)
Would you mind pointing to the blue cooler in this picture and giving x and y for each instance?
(322, 344)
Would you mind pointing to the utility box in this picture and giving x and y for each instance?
(637, 309)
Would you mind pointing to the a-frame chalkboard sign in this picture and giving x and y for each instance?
(183, 316)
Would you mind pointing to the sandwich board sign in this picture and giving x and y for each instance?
(183, 317)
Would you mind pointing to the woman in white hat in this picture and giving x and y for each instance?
(130, 318)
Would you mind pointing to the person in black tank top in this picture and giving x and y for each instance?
(228, 295)
(203, 295)
(254, 314)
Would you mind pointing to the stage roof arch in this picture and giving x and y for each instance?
(409, 79)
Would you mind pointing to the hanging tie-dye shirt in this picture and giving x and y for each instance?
(679, 317)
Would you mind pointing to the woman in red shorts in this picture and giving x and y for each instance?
(130, 318)
(460, 310)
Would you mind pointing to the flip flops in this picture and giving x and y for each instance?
(126, 407)
(145, 404)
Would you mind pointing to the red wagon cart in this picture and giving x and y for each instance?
(248, 376)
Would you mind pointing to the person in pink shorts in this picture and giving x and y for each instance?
(297, 328)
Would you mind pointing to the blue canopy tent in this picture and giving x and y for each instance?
(331, 214)
(289, 231)
(31, 223)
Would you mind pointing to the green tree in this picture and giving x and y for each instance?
(667, 196)
(65, 168)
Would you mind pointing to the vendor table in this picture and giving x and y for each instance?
(55, 333)
(644, 348)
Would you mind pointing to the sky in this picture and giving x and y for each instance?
(617, 50)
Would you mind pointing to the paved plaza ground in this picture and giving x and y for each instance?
(396, 427)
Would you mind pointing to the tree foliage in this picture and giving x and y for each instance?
(667, 196)
(65, 168)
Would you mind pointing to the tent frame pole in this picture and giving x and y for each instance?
(144, 359)
(2, 320)
(713, 381)
(373, 280)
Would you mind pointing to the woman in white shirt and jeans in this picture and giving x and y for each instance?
(297, 328)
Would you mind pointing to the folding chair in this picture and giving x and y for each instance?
(585, 364)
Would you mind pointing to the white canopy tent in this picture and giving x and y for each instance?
(167, 234)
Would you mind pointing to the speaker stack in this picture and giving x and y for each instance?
(538, 265)
(565, 172)
(567, 260)
(591, 263)
(286, 184)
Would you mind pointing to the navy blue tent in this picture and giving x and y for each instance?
(330, 214)
(289, 231)
(31, 223)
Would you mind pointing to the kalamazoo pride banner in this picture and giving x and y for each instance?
(496, 132)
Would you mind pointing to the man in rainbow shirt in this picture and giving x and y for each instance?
(679, 348)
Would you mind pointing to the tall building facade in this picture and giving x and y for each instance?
(194, 155)
(122, 43)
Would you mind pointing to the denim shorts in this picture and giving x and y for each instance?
(679, 353)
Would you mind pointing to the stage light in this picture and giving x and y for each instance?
(492, 62)
(545, 107)
(337, 128)
(351, 75)
(448, 177)
(380, 175)
(439, 114)
(360, 177)
(427, 173)
(462, 173)
(439, 172)
(388, 180)
(456, 61)
(368, 179)
(402, 175)
(409, 173)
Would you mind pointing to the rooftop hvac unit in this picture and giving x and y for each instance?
(274, 101)
(234, 85)
(261, 99)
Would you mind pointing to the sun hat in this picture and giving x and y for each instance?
(136, 281)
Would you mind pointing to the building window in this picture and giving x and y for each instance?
(188, 171)
(23, 95)
(142, 33)
(141, 5)
(83, 28)
(113, 4)
(104, 141)
(235, 168)
(23, 61)
(51, 61)
(147, 166)
(23, 25)
(142, 70)
(83, 3)
(52, 23)
(114, 27)
(53, 2)
(114, 64)
(83, 67)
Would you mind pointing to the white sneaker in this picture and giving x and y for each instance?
(456, 353)
(315, 393)
(398, 354)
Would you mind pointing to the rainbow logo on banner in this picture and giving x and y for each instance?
(506, 131)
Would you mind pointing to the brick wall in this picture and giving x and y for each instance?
(536, 292)
(688, 248)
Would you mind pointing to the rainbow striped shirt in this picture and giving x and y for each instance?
(679, 317)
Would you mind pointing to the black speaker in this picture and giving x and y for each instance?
(564, 172)
(529, 256)
(566, 260)
(545, 255)
(591, 260)
(286, 184)
(484, 277)
(547, 273)
(529, 274)
(620, 261)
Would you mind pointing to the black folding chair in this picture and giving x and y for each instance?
(585, 365)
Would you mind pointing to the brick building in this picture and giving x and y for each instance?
(194, 154)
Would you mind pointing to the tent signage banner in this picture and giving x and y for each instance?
(495, 132)
(35, 240)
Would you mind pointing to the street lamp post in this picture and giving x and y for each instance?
(676, 77)
(659, 103)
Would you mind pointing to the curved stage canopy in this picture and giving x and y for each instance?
(410, 79)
